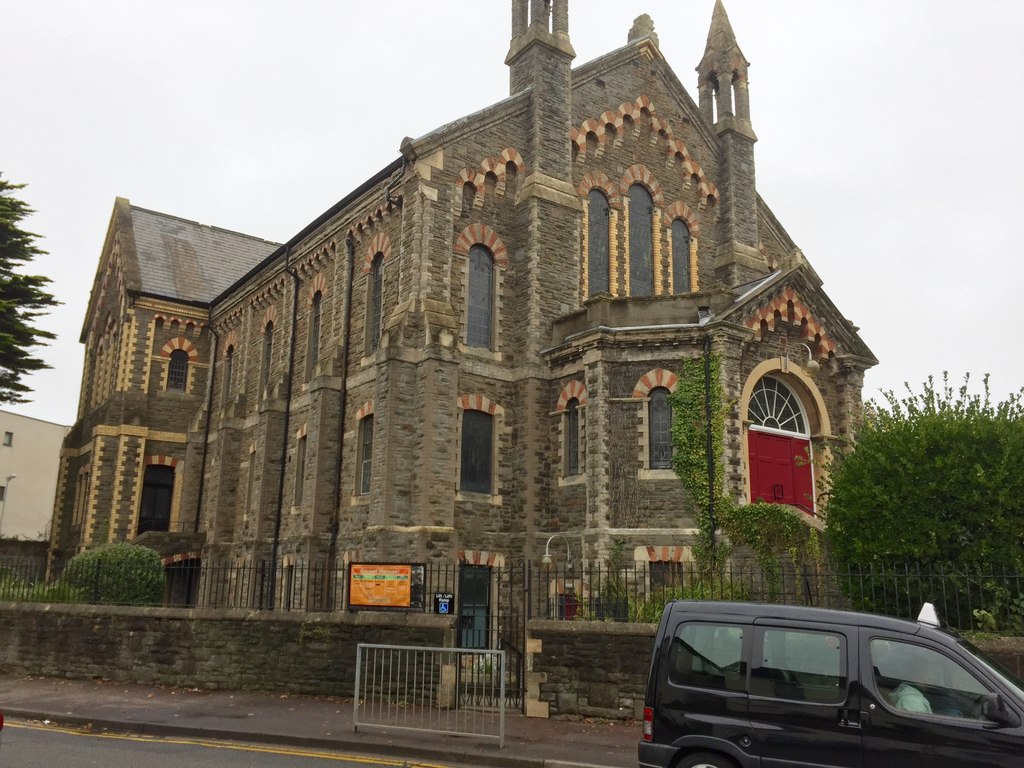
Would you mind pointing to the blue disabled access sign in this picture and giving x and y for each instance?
(444, 603)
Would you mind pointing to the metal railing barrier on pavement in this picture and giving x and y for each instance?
(455, 691)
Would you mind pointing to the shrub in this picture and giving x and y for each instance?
(118, 574)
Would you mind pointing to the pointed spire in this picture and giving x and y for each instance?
(722, 47)
(721, 38)
(724, 102)
(721, 71)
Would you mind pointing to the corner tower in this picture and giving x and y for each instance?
(725, 104)
(540, 58)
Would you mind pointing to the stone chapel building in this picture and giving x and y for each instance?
(472, 351)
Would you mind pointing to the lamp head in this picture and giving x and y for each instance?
(811, 366)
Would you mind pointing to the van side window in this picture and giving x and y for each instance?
(911, 678)
(708, 656)
(800, 666)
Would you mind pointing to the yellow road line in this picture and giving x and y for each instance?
(235, 746)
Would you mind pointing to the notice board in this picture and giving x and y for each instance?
(386, 586)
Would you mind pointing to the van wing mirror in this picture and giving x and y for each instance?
(996, 710)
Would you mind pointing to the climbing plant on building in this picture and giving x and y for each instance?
(691, 402)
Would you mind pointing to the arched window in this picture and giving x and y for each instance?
(157, 492)
(774, 406)
(660, 425)
(268, 353)
(681, 256)
(229, 371)
(641, 241)
(177, 370)
(597, 243)
(572, 437)
(314, 330)
(480, 312)
(374, 304)
(477, 451)
(300, 469)
(365, 454)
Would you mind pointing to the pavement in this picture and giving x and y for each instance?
(314, 722)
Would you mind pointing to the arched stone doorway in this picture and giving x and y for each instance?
(779, 451)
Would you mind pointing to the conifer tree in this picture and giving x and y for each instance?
(22, 298)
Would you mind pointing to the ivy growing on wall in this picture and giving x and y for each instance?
(691, 401)
(769, 530)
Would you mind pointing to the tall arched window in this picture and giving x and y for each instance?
(597, 243)
(229, 371)
(365, 454)
(268, 353)
(681, 256)
(300, 469)
(660, 425)
(480, 311)
(572, 437)
(641, 241)
(157, 493)
(375, 302)
(477, 450)
(177, 370)
(314, 330)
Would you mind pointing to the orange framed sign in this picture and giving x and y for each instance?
(387, 586)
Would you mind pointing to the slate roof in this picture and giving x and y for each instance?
(188, 261)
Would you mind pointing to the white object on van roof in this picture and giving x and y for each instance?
(928, 615)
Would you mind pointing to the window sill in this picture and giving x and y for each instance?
(656, 474)
(568, 480)
(494, 500)
(479, 353)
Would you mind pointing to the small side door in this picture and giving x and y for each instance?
(927, 708)
(474, 606)
(804, 704)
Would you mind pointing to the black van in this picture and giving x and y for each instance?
(738, 685)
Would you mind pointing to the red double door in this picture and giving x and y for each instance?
(780, 469)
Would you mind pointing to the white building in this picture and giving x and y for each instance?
(29, 460)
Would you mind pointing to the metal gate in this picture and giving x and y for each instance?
(492, 616)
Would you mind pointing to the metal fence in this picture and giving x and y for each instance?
(491, 603)
(454, 691)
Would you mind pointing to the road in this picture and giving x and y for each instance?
(35, 745)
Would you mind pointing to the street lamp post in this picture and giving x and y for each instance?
(3, 503)
(546, 559)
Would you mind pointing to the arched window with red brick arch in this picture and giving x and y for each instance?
(374, 303)
(598, 222)
(177, 370)
(480, 314)
(641, 241)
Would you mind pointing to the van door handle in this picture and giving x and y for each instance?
(852, 718)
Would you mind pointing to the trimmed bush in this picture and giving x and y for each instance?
(117, 574)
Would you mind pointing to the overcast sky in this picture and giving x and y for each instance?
(888, 138)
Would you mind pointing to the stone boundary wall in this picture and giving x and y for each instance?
(588, 668)
(233, 650)
(574, 668)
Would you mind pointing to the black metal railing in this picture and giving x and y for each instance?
(967, 599)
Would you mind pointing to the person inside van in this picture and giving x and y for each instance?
(909, 699)
(906, 664)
